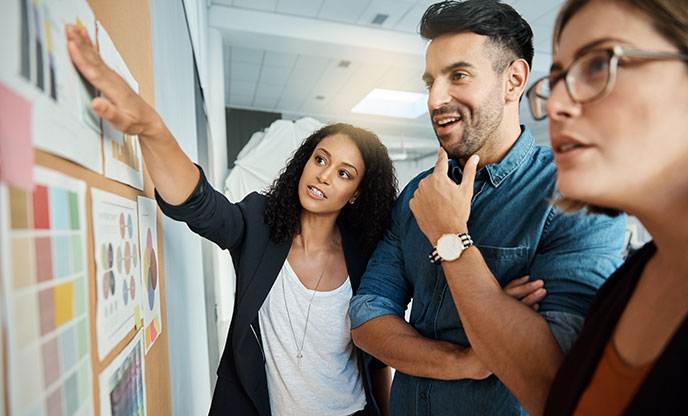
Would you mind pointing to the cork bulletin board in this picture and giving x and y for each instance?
(69, 290)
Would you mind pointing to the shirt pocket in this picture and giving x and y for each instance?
(506, 263)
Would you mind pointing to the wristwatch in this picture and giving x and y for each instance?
(449, 247)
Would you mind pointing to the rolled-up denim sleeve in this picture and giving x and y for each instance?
(576, 255)
(384, 289)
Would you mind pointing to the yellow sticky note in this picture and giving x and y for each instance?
(63, 296)
(157, 325)
(138, 323)
(148, 337)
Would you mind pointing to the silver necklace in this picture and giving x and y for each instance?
(299, 349)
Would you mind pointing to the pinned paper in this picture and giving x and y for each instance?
(138, 322)
(16, 151)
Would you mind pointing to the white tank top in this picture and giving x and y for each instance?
(328, 382)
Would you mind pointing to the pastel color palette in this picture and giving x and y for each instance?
(21, 254)
(44, 259)
(51, 362)
(54, 403)
(19, 209)
(84, 380)
(73, 207)
(59, 212)
(26, 307)
(61, 255)
(71, 394)
(79, 297)
(67, 348)
(81, 338)
(76, 254)
(28, 387)
(47, 302)
(64, 303)
(41, 216)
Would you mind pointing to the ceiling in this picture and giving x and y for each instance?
(318, 58)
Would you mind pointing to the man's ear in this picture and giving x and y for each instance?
(516, 77)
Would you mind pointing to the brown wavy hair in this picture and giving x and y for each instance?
(368, 217)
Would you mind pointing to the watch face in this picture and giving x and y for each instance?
(449, 247)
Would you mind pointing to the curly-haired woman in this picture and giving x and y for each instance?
(299, 252)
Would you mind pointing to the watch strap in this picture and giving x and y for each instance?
(466, 241)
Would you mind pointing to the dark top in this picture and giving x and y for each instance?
(664, 390)
(242, 383)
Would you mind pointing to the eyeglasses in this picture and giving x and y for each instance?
(590, 77)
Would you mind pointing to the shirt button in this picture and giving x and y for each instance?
(439, 297)
(423, 396)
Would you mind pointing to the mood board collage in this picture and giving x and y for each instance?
(53, 227)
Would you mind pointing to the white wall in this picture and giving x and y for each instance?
(186, 327)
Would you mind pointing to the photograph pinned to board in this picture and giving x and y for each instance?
(118, 276)
(148, 241)
(44, 278)
(36, 65)
(122, 151)
(123, 382)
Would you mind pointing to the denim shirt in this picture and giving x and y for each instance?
(518, 233)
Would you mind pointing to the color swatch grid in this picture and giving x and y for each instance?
(44, 278)
(118, 278)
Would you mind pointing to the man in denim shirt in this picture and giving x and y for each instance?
(477, 67)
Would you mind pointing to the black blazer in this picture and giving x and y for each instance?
(663, 392)
(242, 383)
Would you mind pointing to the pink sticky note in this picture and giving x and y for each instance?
(16, 151)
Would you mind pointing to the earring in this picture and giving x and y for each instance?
(351, 201)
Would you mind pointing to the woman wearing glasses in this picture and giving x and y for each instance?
(617, 103)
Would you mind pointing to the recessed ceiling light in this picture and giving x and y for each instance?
(392, 103)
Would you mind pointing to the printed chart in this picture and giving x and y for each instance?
(36, 64)
(118, 284)
(122, 383)
(123, 161)
(44, 280)
(148, 241)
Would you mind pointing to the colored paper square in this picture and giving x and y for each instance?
(156, 321)
(51, 362)
(29, 390)
(44, 259)
(21, 250)
(79, 297)
(19, 209)
(54, 403)
(26, 309)
(61, 256)
(16, 149)
(41, 216)
(73, 207)
(47, 308)
(76, 254)
(81, 338)
(59, 209)
(138, 323)
(64, 303)
(148, 335)
(67, 349)
(84, 380)
(71, 394)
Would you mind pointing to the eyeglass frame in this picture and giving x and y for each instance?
(615, 52)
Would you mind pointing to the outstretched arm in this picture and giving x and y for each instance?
(172, 172)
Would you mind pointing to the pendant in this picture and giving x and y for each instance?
(299, 356)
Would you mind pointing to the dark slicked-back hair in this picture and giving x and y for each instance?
(368, 217)
(506, 28)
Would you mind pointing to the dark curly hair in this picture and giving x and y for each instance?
(368, 217)
(498, 21)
